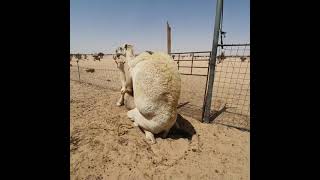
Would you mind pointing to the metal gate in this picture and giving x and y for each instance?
(231, 89)
(193, 67)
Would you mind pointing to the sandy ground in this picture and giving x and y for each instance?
(105, 145)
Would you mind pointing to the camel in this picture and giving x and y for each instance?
(156, 86)
(126, 97)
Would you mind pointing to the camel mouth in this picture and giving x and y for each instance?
(117, 58)
(118, 55)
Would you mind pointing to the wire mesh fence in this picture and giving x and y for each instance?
(103, 77)
(193, 67)
(231, 90)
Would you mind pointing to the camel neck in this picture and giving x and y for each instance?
(129, 54)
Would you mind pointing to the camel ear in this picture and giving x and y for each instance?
(126, 46)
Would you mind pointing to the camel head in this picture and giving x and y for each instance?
(122, 54)
(125, 50)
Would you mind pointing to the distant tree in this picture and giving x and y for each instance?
(243, 58)
(100, 55)
(78, 56)
(96, 57)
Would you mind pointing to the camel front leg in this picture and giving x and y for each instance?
(123, 85)
(129, 86)
(121, 100)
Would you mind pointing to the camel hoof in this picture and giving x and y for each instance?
(150, 137)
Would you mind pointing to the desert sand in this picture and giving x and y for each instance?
(105, 145)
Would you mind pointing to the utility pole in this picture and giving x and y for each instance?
(168, 38)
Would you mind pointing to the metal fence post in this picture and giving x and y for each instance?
(178, 61)
(78, 70)
(192, 62)
(212, 62)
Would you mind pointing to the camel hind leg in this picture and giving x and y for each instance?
(165, 133)
(138, 120)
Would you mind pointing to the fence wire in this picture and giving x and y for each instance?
(102, 77)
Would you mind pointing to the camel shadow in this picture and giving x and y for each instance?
(185, 130)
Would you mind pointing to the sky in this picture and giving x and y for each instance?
(104, 25)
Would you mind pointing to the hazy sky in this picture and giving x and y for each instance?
(103, 25)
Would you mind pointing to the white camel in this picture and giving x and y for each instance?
(156, 84)
(126, 97)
